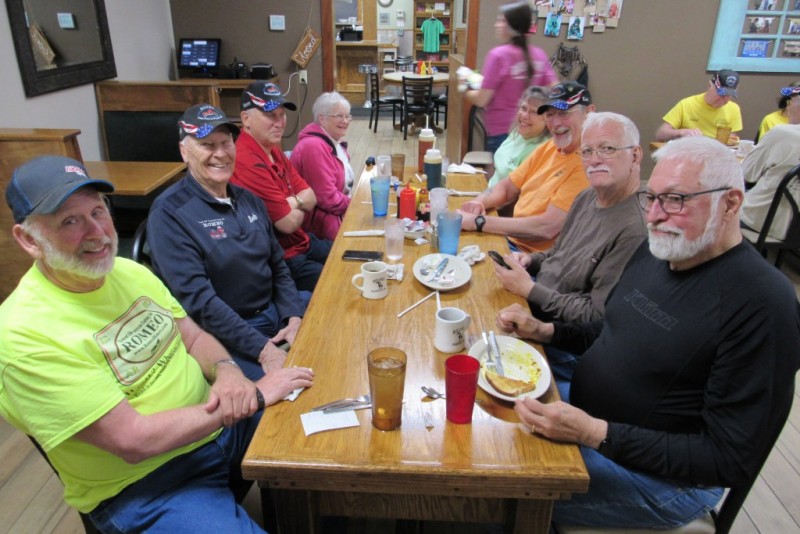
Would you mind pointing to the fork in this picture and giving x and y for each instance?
(490, 364)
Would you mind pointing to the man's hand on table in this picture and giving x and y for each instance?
(288, 333)
(475, 207)
(232, 394)
(519, 320)
(517, 280)
(561, 422)
(271, 358)
(275, 385)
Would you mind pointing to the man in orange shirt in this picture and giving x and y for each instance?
(544, 185)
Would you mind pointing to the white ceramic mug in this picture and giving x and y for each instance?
(745, 147)
(450, 326)
(374, 277)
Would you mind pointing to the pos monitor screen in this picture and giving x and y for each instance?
(201, 54)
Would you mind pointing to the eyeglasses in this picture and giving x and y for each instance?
(341, 117)
(560, 114)
(603, 152)
(671, 203)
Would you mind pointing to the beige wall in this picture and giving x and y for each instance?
(141, 35)
(656, 56)
(243, 27)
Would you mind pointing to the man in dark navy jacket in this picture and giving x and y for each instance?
(214, 246)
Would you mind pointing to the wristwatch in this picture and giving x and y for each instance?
(299, 202)
(480, 220)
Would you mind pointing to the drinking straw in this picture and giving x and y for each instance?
(420, 301)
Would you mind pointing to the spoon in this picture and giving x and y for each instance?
(432, 393)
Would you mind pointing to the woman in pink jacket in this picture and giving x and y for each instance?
(322, 160)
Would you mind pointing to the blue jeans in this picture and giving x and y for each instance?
(493, 142)
(268, 322)
(196, 492)
(623, 498)
(562, 363)
(307, 267)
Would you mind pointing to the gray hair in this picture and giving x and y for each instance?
(630, 134)
(326, 102)
(719, 167)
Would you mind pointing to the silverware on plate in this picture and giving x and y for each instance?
(499, 356)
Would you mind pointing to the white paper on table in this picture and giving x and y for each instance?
(294, 394)
(314, 422)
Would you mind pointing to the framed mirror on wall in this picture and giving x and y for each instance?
(60, 44)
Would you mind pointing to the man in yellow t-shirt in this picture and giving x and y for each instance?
(143, 414)
(702, 114)
(545, 184)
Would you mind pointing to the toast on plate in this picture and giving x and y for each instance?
(508, 386)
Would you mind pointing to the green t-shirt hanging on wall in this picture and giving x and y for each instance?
(431, 30)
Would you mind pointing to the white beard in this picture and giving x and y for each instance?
(60, 261)
(675, 247)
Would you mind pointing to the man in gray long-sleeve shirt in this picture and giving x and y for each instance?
(603, 229)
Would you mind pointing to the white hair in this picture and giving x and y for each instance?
(630, 134)
(718, 165)
(326, 102)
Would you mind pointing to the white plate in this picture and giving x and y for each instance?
(462, 274)
(520, 361)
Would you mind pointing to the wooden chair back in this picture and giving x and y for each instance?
(18, 145)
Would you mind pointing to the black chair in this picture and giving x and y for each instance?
(404, 63)
(791, 242)
(440, 106)
(88, 526)
(140, 252)
(380, 104)
(417, 100)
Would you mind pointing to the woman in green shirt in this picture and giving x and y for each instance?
(527, 132)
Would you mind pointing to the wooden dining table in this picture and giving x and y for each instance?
(490, 471)
(136, 178)
(396, 78)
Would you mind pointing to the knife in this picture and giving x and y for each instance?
(348, 407)
(499, 359)
(439, 270)
(333, 404)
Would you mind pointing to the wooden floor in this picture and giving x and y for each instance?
(31, 495)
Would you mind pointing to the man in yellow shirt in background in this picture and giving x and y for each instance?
(702, 114)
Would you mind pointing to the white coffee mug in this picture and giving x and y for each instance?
(374, 278)
(450, 326)
(745, 147)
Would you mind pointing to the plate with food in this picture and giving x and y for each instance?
(526, 371)
(455, 273)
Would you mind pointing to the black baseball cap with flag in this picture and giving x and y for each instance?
(202, 119)
(725, 82)
(565, 96)
(41, 185)
(265, 96)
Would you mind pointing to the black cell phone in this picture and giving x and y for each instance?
(362, 255)
(498, 259)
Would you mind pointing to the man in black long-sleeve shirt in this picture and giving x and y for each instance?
(693, 367)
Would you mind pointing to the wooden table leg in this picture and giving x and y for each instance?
(296, 512)
(531, 516)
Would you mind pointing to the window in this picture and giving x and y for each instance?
(757, 36)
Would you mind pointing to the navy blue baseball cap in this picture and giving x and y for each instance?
(41, 185)
(202, 119)
(265, 96)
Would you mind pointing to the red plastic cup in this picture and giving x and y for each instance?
(461, 384)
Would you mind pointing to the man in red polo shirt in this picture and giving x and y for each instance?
(263, 168)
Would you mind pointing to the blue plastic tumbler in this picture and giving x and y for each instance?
(449, 227)
(379, 185)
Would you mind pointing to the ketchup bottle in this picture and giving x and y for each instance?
(408, 204)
